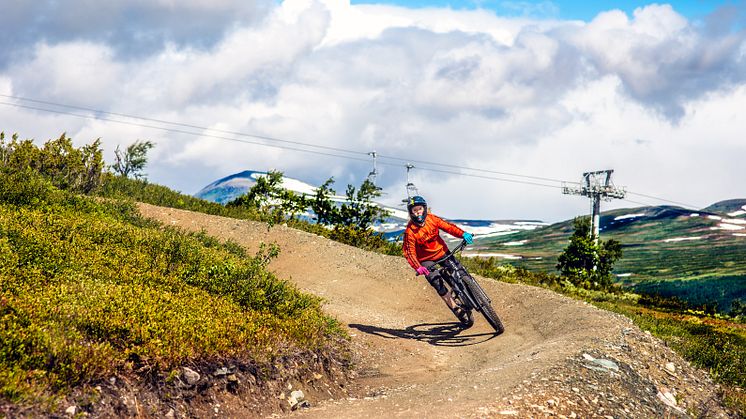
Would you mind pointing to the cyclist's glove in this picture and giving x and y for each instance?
(423, 271)
(469, 238)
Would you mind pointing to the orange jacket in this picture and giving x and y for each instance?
(423, 243)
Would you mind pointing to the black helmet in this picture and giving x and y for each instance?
(413, 202)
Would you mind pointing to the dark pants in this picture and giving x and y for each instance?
(438, 280)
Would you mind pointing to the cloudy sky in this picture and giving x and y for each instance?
(547, 90)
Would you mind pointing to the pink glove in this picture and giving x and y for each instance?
(422, 271)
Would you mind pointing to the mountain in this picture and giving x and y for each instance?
(231, 187)
(697, 256)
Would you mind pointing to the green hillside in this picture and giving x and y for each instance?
(698, 257)
(90, 290)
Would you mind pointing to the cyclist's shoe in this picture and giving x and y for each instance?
(464, 315)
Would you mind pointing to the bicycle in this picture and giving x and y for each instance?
(465, 288)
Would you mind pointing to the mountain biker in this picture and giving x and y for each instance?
(423, 245)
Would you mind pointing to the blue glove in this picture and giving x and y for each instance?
(469, 238)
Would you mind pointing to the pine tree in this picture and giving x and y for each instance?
(585, 263)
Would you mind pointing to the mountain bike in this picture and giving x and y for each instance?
(465, 288)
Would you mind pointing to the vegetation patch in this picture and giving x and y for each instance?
(90, 290)
(718, 294)
(268, 202)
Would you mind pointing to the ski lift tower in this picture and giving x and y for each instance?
(595, 185)
(372, 175)
(411, 189)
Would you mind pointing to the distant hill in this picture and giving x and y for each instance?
(733, 207)
(699, 255)
(231, 187)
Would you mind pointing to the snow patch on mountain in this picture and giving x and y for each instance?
(738, 213)
(726, 226)
(624, 217)
(681, 239)
(497, 255)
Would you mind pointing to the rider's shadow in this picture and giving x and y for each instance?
(438, 334)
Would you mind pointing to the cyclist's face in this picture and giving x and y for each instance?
(418, 210)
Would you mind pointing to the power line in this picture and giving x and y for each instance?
(453, 166)
(663, 199)
(243, 134)
(328, 150)
(180, 131)
(179, 124)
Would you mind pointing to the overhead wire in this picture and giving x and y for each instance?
(243, 134)
(179, 124)
(310, 148)
(263, 144)
(182, 131)
(203, 134)
(661, 199)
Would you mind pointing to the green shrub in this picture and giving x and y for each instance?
(68, 168)
(90, 289)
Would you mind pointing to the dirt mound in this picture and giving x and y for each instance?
(414, 361)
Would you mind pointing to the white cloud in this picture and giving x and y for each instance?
(650, 95)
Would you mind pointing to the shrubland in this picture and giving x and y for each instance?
(89, 289)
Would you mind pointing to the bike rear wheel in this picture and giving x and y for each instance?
(485, 305)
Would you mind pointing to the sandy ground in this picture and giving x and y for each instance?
(413, 360)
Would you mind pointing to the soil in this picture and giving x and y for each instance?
(557, 357)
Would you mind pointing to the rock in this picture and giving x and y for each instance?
(603, 363)
(190, 376)
(70, 411)
(170, 414)
(297, 400)
(667, 398)
(221, 372)
(670, 367)
(232, 378)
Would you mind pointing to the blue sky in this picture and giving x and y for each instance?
(562, 9)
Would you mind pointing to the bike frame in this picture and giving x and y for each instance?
(452, 272)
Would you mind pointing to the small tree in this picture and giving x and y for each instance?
(585, 263)
(359, 210)
(132, 161)
(271, 199)
(326, 210)
(74, 169)
(737, 308)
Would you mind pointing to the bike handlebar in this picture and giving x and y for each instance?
(456, 249)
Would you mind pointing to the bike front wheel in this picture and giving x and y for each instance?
(484, 304)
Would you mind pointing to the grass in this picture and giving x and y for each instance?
(89, 289)
(706, 271)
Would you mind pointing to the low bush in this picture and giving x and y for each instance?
(90, 289)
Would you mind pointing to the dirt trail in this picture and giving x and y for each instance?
(414, 361)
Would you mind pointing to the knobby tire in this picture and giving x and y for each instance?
(486, 307)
